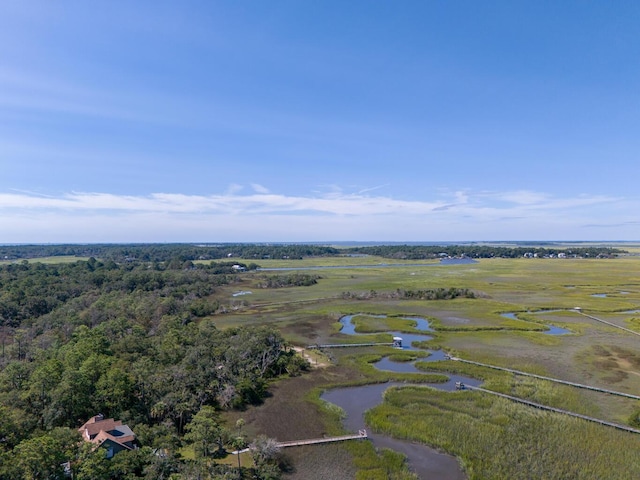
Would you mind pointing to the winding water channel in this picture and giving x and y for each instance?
(551, 329)
(427, 462)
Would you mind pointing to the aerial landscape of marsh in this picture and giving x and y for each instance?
(319, 240)
(492, 366)
(537, 295)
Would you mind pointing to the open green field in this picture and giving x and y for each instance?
(535, 292)
(49, 260)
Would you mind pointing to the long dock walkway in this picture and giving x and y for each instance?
(361, 435)
(605, 322)
(550, 379)
(552, 409)
(344, 345)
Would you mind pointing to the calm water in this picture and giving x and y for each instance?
(551, 329)
(427, 462)
(422, 324)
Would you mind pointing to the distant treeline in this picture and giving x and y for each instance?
(425, 294)
(423, 252)
(178, 253)
(166, 252)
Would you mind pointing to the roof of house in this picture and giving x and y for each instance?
(98, 429)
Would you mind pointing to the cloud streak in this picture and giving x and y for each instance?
(481, 205)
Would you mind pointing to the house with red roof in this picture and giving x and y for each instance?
(109, 434)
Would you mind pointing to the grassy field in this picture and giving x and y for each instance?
(49, 260)
(538, 292)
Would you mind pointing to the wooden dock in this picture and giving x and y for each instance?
(362, 434)
(556, 380)
(344, 345)
(552, 409)
(605, 322)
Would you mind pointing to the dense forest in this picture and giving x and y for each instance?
(178, 253)
(166, 252)
(133, 341)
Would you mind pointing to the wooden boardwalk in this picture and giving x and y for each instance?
(556, 380)
(553, 409)
(362, 434)
(605, 322)
(344, 345)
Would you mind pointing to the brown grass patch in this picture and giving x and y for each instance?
(287, 415)
(616, 363)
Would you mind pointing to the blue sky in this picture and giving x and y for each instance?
(317, 121)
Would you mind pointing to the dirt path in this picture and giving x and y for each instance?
(315, 359)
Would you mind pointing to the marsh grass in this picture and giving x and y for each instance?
(505, 324)
(611, 363)
(493, 437)
(497, 439)
(407, 357)
(633, 323)
(528, 388)
(383, 465)
(364, 364)
(370, 324)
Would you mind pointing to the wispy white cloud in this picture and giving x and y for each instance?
(371, 189)
(29, 92)
(524, 197)
(478, 205)
(613, 225)
(259, 188)
(234, 188)
(335, 215)
(26, 91)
